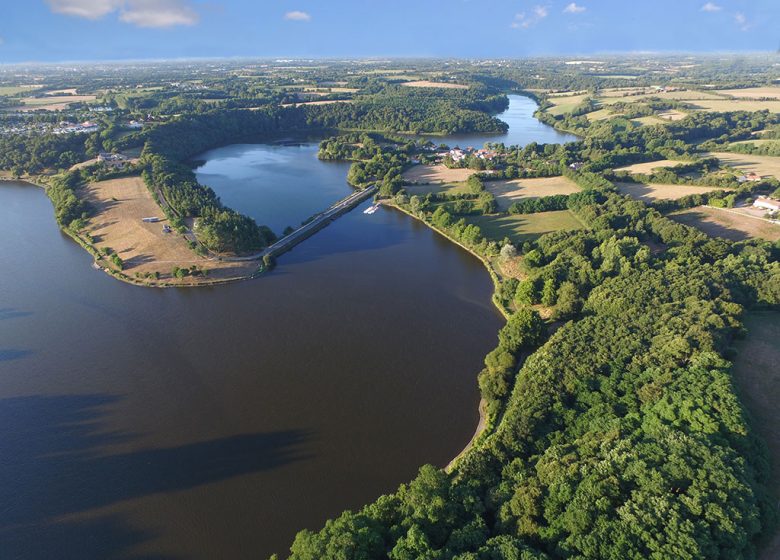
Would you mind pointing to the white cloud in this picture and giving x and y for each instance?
(89, 9)
(297, 16)
(742, 21)
(143, 13)
(158, 13)
(573, 8)
(711, 7)
(524, 21)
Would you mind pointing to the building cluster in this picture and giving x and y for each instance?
(66, 127)
(748, 177)
(766, 203)
(114, 161)
(457, 154)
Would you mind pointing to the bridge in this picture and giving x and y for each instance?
(311, 227)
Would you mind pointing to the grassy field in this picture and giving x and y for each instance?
(325, 102)
(758, 141)
(428, 84)
(753, 93)
(648, 166)
(451, 188)
(651, 192)
(600, 115)
(52, 102)
(762, 165)
(727, 223)
(757, 376)
(507, 192)
(672, 115)
(649, 121)
(525, 227)
(6, 91)
(565, 103)
(436, 174)
(119, 205)
(722, 105)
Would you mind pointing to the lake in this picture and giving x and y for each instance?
(217, 422)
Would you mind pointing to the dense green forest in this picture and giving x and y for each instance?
(622, 436)
(614, 429)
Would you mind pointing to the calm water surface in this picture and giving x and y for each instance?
(217, 422)
(523, 129)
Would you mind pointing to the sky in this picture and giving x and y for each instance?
(82, 30)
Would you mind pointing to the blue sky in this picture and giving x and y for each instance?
(63, 30)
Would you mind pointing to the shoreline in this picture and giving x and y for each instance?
(478, 433)
(98, 261)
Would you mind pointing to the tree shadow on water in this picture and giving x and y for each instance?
(51, 465)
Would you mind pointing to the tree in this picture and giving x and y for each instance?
(527, 292)
(548, 292)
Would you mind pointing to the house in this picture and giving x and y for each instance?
(457, 154)
(766, 203)
(749, 177)
(116, 161)
(576, 166)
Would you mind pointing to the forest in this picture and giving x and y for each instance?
(614, 427)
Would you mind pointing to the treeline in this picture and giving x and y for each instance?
(34, 153)
(415, 110)
(768, 149)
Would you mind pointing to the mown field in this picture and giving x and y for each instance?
(727, 223)
(763, 165)
(436, 174)
(507, 192)
(648, 166)
(652, 191)
(525, 227)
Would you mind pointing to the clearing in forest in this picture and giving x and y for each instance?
(729, 223)
(436, 174)
(753, 93)
(428, 84)
(525, 227)
(651, 192)
(507, 192)
(648, 166)
(762, 165)
(119, 208)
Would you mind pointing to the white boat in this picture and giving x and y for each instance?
(371, 209)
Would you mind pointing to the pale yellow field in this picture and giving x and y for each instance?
(507, 192)
(728, 222)
(649, 121)
(753, 93)
(325, 102)
(759, 141)
(672, 115)
(427, 84)
(565, 104)
(653, 192)
(762, 165)
(648, 166)
(725, 105)
(119, 205)
(600, 115)
(688, 96)
(426, 174)
(52, 103)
